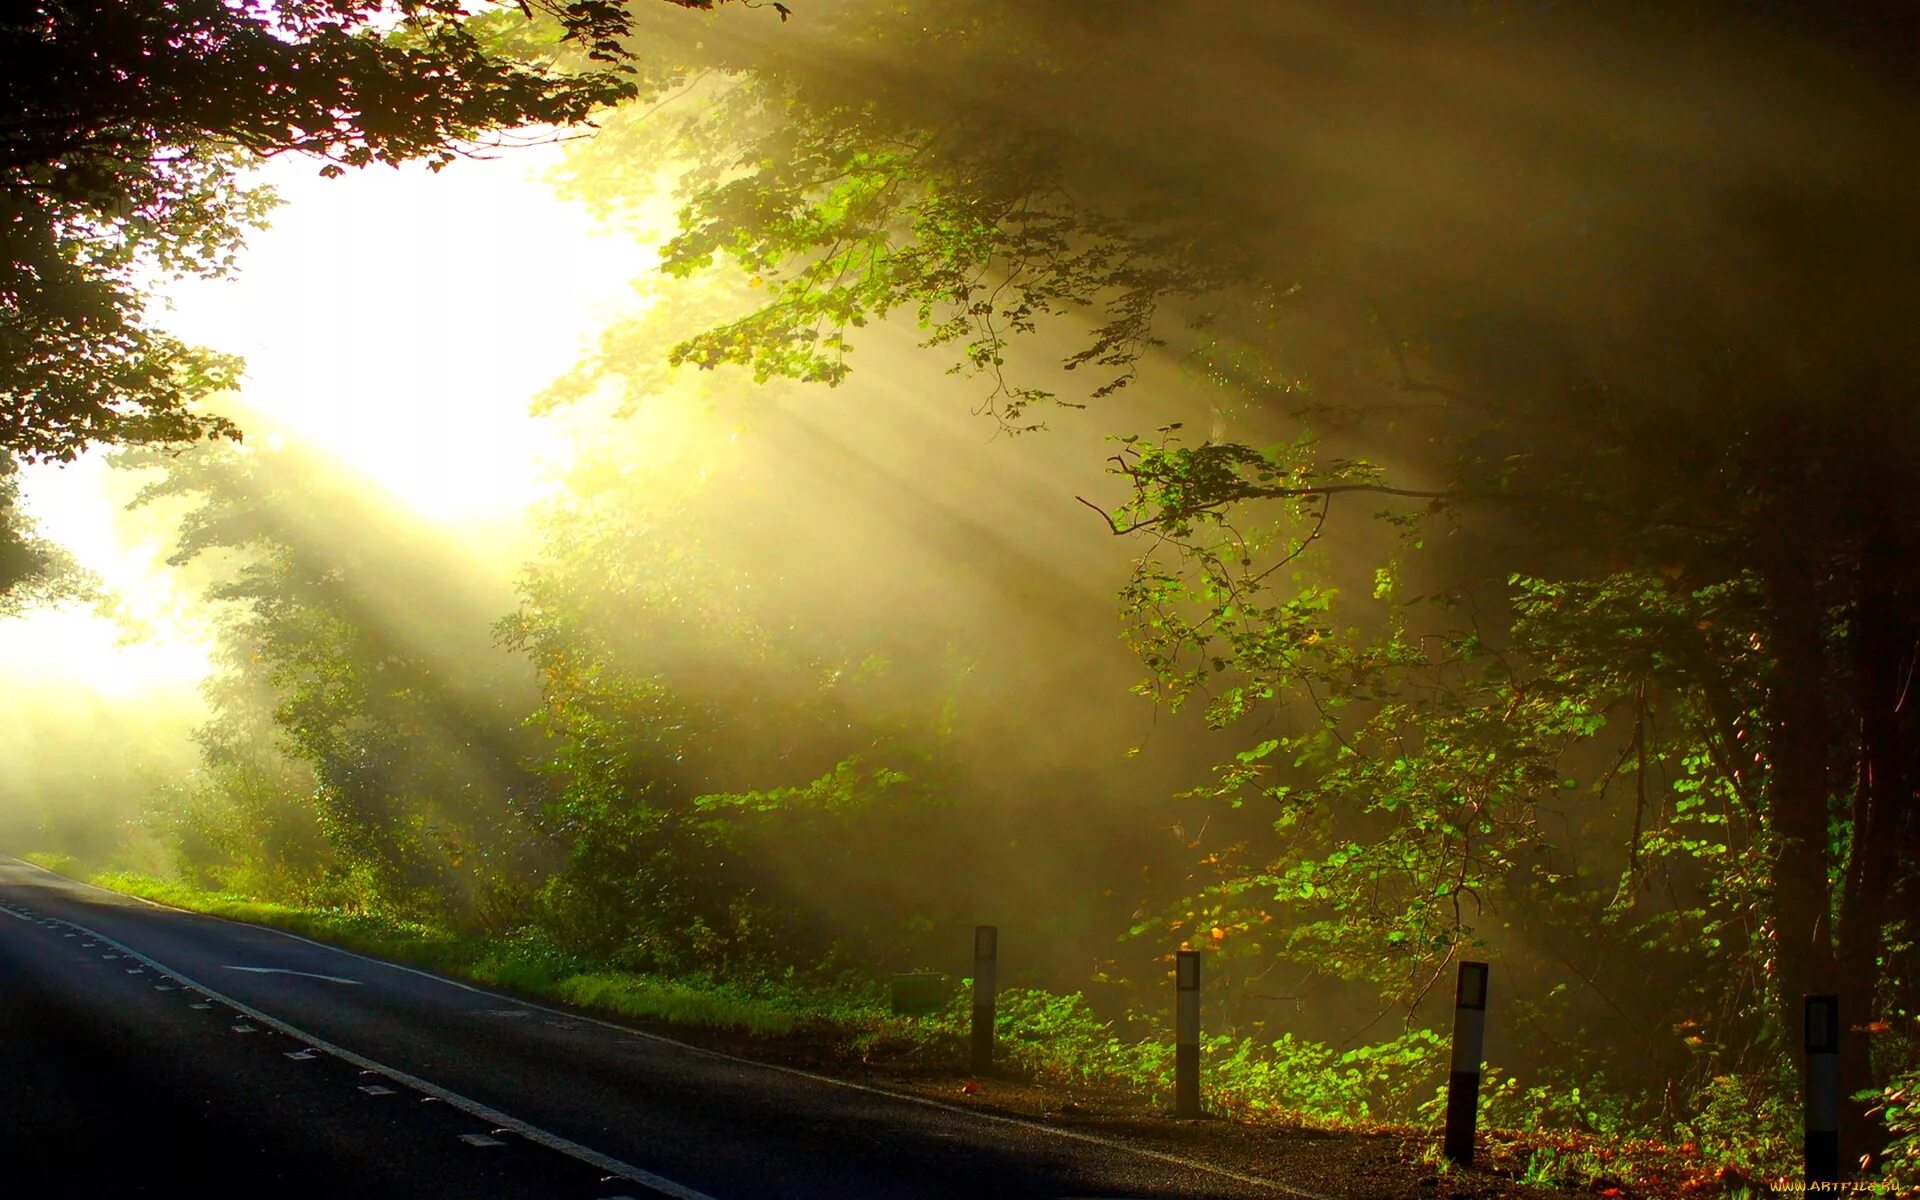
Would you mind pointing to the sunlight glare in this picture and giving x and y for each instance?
(398, 321)
(401, 320)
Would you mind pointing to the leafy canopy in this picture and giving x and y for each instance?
(125, 124)
(1631, 387)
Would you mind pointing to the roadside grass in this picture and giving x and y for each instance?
(679, 1004)
(830, 1019)
(1047, 1038)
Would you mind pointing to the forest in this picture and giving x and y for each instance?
(941, 531)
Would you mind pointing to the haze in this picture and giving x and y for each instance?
(497, 619)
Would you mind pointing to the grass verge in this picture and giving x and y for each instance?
(1046, 1041)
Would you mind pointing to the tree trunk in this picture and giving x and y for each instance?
(1882, 642)
(1796, 793)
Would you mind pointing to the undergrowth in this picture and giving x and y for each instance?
(1733, 1147)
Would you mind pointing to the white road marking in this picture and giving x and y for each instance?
(573, 1021)
(302, 1055)
(480, 1139)
(200, 1006)
(635, 1173)
(244, 1029)
(286, 971)
(374, 1089)
(430, 1091)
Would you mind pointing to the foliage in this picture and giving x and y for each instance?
(706, 760)
(126, 128)
(1658, 578)
(1053, 1037)
(33, 570)
(343, 712)
(1612, 693)
(1740, 1121)
(245, 827)
(350, 926)
(844, 207)
(1385, 1080)
(1897, 1105)
(655, 999)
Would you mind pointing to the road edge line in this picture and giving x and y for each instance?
(926, 1101)
(471, 1107)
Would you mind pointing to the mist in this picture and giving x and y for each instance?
(863, 625)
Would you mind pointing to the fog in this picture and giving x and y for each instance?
(603, 578)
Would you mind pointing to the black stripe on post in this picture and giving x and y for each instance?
(1469, 1047)
(1822, 1091)
(1186, 1034)
(986, 957)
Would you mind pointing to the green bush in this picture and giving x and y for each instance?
(1898, 1107)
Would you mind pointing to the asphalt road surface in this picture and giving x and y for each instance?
(147, 1051)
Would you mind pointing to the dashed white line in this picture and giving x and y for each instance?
(285, 971)
(667, 1186)
(429, 1091)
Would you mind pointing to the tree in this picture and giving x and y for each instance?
(124, 130)
(733, 787)
(32, 569)
(353, 648)
(1636, 356)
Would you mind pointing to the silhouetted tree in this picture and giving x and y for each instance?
(1641, 365)
(124, 128)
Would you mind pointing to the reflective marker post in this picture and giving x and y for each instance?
(1469, 1048)
(1823, 1090)
(986, 954)
(1186, 1035)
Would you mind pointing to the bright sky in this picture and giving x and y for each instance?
(398, 320)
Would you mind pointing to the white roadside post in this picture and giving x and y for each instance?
(1822, 1093)
(1469, 1049)
(986, 953)
(1186, 1035)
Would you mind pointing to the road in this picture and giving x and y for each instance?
(144, 1051)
